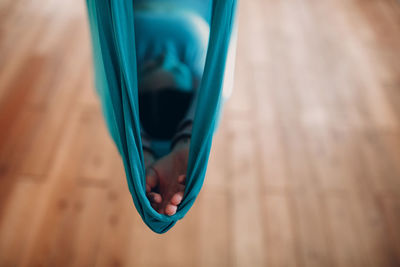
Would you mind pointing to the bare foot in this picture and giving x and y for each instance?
(165, 179)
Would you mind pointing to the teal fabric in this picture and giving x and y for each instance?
(180, 48)
(114, 53)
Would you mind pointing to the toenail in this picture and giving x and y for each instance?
(170, 209)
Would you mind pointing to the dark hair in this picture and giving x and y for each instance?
(161, 111)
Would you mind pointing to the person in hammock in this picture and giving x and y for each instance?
(171, 47)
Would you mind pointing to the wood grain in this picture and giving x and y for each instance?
(305, 166)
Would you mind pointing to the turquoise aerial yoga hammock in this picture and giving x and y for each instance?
(114, 53)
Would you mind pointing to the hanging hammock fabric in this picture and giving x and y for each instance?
(114, 53)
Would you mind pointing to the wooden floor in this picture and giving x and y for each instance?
(305, 168)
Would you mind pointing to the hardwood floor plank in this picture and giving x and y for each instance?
(280, 239)
(244, 183)
(304, 169)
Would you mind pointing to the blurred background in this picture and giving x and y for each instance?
(304, 170)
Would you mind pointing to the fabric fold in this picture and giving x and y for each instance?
(114, 55)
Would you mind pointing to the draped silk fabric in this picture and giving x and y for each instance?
(114, 54)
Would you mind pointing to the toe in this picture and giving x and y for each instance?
(151, 178)
(154, 197)
(177, 198)
(170, 209)
(182, 179)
